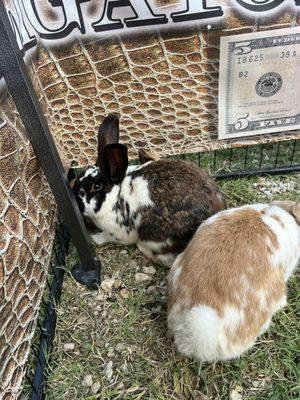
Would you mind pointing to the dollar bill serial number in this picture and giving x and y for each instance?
(260, 57)
(250, 59)
(286, 54)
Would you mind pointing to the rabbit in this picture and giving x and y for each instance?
(225, 287)
(157, 205)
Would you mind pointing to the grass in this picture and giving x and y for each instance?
(148, 367)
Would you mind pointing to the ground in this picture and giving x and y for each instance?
(113, 344)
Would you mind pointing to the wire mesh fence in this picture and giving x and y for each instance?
(36, 375)
(274, 158)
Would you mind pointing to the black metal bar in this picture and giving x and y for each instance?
(19, 84)
(293, 153)
(230, 156)
(261, 171)
(45, 306)
(261, 155)
(36, 355)
(246, 158)
(277, 155)
(215, 160)
(47, 338)
(48, 329)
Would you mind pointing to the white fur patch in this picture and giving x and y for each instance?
(136, 194)
(174, 276)
(137, 167)
(233, 318)
(287, 236)
(261, 294)
(101, 238)
(196, 332)
(93, 171)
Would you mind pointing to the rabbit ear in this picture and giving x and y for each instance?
(291, 207)
(296, 211)
(108, 134)
(115, 162)
(287, 205)
(144, 156)
(72, 176)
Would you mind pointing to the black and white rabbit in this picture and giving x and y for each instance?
(157, 205)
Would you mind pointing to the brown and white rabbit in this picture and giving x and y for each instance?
(157, 205)
(231, 279)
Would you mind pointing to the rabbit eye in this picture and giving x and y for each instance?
(96, 187)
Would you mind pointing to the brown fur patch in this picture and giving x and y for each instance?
(145, 156)
(184, 196)
(222, 258)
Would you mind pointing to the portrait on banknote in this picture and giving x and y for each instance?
(259, 85)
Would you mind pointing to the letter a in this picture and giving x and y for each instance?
(143, 15)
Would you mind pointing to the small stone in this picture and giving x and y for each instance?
(120, 386)
(124, 367)
(123, 252)
(107, 284)
(120, 347)
(149, 270)
(117, 283)
(100, 297)
(256, 384)
(69, 346)
(157, 309)
(82, 320)
(125, 294)
(235, 395)
(95, 388)
(141, 278)
(152, 290)
(111, 353)
(87, 381)
(108, 371)
(133, 264)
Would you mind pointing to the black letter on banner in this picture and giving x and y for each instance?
(253, 5)
(143, 15)
(197, 9)
(72, 18)
(24, 39)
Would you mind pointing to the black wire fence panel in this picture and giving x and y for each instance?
(36, 376)
(273, 158)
